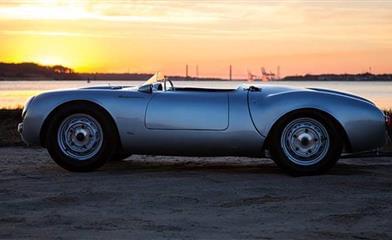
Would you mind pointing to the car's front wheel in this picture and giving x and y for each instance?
(305, 143)
(81, 137)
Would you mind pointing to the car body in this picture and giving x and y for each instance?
(207, 122)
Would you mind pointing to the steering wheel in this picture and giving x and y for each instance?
(171, 84)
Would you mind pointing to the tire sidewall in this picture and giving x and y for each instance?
(330, 158)
(108, 147)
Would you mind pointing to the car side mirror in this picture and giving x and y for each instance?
(145, 88)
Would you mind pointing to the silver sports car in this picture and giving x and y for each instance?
(303, 130)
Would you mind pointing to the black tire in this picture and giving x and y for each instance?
(283, 158)
(105, 152)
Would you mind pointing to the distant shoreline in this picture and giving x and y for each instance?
(35, 72)
(185, 80)
(104, 77)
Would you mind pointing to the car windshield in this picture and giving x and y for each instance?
(157, 77)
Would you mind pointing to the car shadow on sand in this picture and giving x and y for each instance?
(238, 166)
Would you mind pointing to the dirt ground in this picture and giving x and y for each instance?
(157, 197)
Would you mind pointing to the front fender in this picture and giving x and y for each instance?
(40, 108)
(117, 104)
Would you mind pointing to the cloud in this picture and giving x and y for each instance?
(60, 34)
(134, 11)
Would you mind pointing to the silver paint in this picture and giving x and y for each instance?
(188, 111)
(209, 122)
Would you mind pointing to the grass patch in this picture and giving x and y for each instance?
(388, 112)
(388, 146)
(9, 119)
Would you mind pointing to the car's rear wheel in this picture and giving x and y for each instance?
(81, 137)
(305, 143)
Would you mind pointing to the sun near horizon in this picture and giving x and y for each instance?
(148, 36)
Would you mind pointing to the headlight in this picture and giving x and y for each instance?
(26, 106)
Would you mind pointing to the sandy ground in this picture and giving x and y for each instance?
(175, 198)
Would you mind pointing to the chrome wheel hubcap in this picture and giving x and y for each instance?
(305, 141)
(80, 136)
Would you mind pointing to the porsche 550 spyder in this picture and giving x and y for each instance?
(304, 130)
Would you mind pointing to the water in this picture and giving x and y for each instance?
(15, 93)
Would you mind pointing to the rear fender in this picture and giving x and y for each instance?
(362, 122)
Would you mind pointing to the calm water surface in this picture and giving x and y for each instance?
(15, 93)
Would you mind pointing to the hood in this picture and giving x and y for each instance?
(106, 87)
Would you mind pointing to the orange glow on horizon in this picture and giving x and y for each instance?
(148, 36)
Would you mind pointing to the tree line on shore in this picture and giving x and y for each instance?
(34, 71)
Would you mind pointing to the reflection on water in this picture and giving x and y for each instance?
(15, 93)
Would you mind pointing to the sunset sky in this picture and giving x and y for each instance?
(148, 36)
